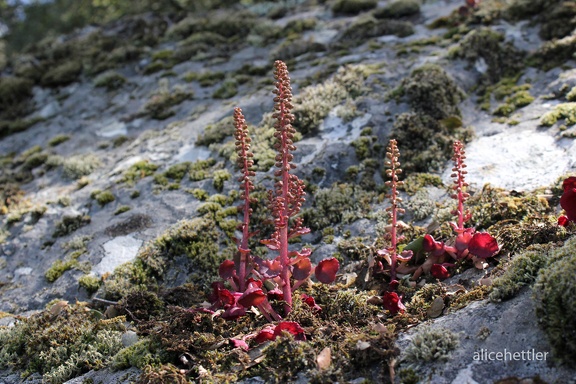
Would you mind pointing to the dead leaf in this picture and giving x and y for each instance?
(436, 308)
(324, 359)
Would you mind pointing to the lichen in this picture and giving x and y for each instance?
(77, 166)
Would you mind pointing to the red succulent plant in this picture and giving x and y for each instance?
(568, 202)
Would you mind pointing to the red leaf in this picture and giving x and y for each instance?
(252, 297)
(483, 245)
(439, 271)
(569, 183)
(326, 270)
(272, 244)
(233, 312)
(302, 269)
(226, 269)
(568, 199)
(563, 221)
(291, 327)
(405, 256)
(463, 240)
(392, 302)
(275, 294)
(266, 334)
(309, 300)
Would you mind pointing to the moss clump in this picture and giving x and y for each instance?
(102, 197)
(139, 355)
(352, 7)
(15, 96)
(207, 79)
(565, 111)
(517, 100)
(342, 203)
(315, 102)
(431, 91)
(398, 8)
(111, 80)
(62, 74)
(160, 103)
(57, 140)
(559, 21)
(227, 90)
(199, 193)
(365, 27)
(9, 127)
(138, 171)
(554, 53)
(122, 210)
(430, 345)
(416, 181)
(555, 295)
(200, 169)
(58, 268)
(60, 343)
(216, 133)
(514, 95)
(220, 176)
(80, 165)
(503, 59)
(69, 224)
(520, 272)
(90, 283)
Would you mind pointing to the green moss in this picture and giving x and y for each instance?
(199, 193)
(58, 268)
(207, 79)
(555, 296)
(220, 176)
(69, 224)
(178, 171)
(565, 111)
(554, 53)
(398, 8)
(80, 165)
(15, 96)
(503, 59)
(139, 171)
(430, 345)
(314, 103)
(57, 140)
(62, 74)
(160, 103)
(517, 100)
(216, 133)
(9, 127)
(227, 90)
(520, 272)
(365, 27)
(416, 181)
(353, 7)
(90, 283)
(60, 343)
(102, 197)
(571, 95)
(559, 20)
(122, 209)
(111, 80)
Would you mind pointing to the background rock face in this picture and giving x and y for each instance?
(118, 165)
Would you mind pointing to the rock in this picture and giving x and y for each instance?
(129, 338)
(117, 251)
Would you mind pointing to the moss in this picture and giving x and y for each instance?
(352, 7)
(565, 111)
(62, 74)
(293, 48)
(102, 197)
(365, 27)
(111, 80)
(554, 53)
(227, 90)
(122, 209)
(363, 147)
(200, 169)
(60, 343)
(178, 171)
(220, 176)
(517, 100)
(416, 181)
(90, 283)
(558, 21)
(138, 171)
(430, 345)
(207, 79)
(216, 133)
(9, 127)
(555, 296)
(80, 165)
(57, 140)
(398, 8)
(315, 102)
(503, 59)
(15, 96)
(571, 95)
(160, 103)
(342, 203)
(69, 224)
(520, 272)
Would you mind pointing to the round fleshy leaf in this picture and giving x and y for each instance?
(266, 334)
(391, 301)
(291, 327)
(253, 296)
(226, 269)
(326, 270)
(439, 271)
(483, 245)
(563, 221)
(302, 269)
(568, 202)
